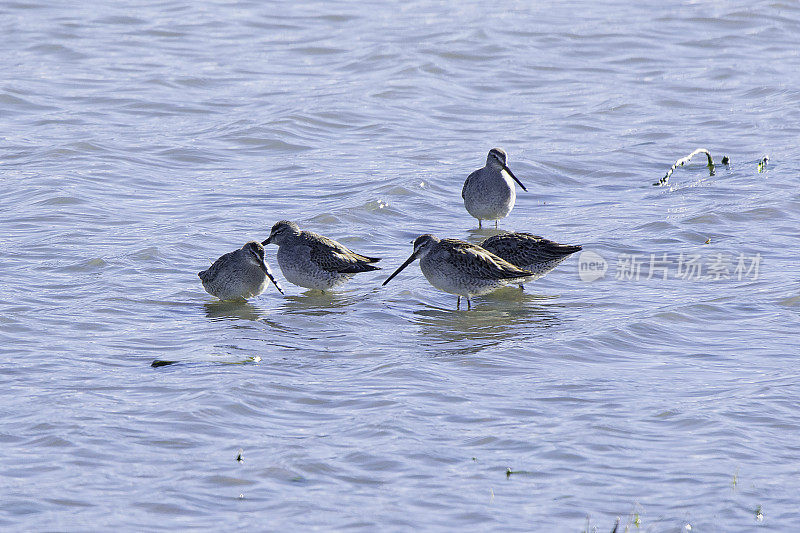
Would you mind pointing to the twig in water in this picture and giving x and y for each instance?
(682, 161)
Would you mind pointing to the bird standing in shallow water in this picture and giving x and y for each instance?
(313, 261)
(460, 268)
(489, 193)
(238, 275)
(530, 252)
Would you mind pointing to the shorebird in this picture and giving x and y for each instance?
(460, 268)
(529, 252)
(238, 275)
(488, 192)
(313, 261)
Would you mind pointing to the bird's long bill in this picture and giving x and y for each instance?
(396, 272)
(268, 272)
(505, 167)
(266, 242)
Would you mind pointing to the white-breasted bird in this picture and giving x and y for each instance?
(460, 268)
(489, 192)
(238, 275)
(313, 261)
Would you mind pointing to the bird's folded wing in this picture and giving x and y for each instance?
(333, 257)
(483, 263)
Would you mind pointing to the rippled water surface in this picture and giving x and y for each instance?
(140, 141)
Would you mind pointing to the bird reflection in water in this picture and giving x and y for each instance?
(240, 310)
(233, 309)
(317, 303)
(513, 315)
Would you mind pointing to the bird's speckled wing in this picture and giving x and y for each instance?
(218, 265)
(525, 249)
(467, 183)
(480, 262)
(331, 256)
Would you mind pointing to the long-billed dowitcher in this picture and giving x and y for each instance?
(488, 192)
(460, 268)
(313, 261)
(239, 275)
(530, 252)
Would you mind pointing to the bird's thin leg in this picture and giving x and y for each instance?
(469, 304)
(521, 287)
(479, 224)
(495, 224)
(458, 303)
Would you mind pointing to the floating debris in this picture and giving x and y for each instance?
(682, 161)
(726, 160)
(759, 514)
(239, 458)
(708, 241)
(509, 472)
(158, 362)
(762, 164)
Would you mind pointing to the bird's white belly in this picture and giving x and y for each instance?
(446, 277)
(236, 285)
(492, 200)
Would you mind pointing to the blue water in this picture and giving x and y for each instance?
(140, 142)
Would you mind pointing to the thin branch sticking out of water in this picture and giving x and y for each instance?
(682, 161)
(762, 164)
